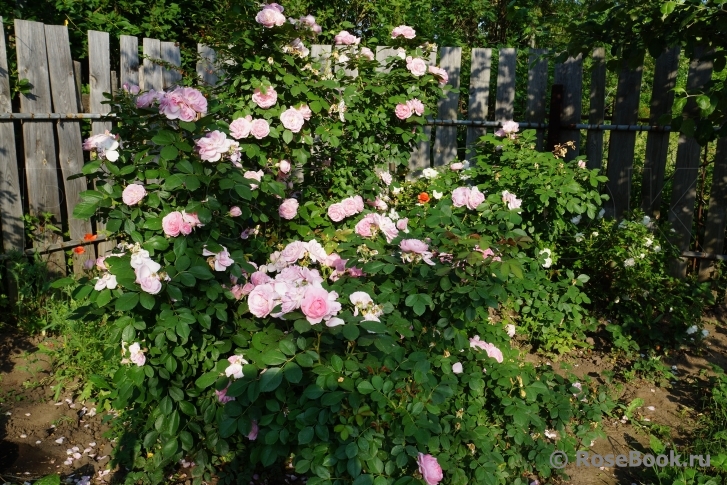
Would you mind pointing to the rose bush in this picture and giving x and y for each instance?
(261, 320)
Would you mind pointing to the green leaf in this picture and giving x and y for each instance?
(305, 435)
(273, 357)
(206, 380)
(127, 302)
(287, 136)
(201, 272)
(187, 125)
(287, 347)
(103, 298)
(49, 480)
(169, 153)
(271, 379)
(147, 300)
(63, 282)
(85, 209)
(365, 387)
(164, 137)
(292, 372)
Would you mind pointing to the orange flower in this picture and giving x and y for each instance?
(423, 198)
(90, 237)
(79, 250)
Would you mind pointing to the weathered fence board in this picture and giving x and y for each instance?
(420, 155)
(129, 68)
(681, 209)
(206, 66)
(151, 76)
(172, 55)
(11, 204)
(535, 108)
(41, 168)
(479, 95)
(570, 75)
(657, 143)
(445, 141)
(622, 143)
(596, 108)
(505, 94)
(714, 231)
(70, 153)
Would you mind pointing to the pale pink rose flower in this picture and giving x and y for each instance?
(317, 252)
(511, 200)
(288, 209)
(416, 106)
(403, 31)
(222, 396)
(284, 166)
(350, 207)
(337, 212)
(430, 469)
(234, 370)
(319, 304)
(100, 263)
(260, 278)
(367, 53)
(172, 223)
(402, 111)
(388, 228)
(237, 292)
(148, 282)
(581, 164)
(138, 358)
(262, 300)
(306, 112)
(276, 6)
(88, 264)
(440, 73)
(195, 99)
(133, 193)
(499, 133)
(252, 435)
(223, 260)
(247, 288)
(457, 368)
(186, 228)
(475, 198)
(346, 38)
(241, 127)
(106, 281)
(258, 175)
(270, 17)
(510, 329)
(476, 343)
(456, 166)
(294, 251)
(385, 177)
(260, 128)
(213, 145)
(131, 88)
(359, 203)
(380, 204)
(493, 352)
(416, 66)
(460, 195)
(174, 106)
(510, 127)
(149, 98)
(292, 119)
(266, 100)
(191, 218)
(235, 211)
(413, 246)
(402, 224)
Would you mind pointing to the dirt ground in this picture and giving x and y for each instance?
(40, 435)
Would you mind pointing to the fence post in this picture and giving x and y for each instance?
(556, 107)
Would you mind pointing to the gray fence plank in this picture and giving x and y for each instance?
(207, 69)
(129, 66)
(40, 154)
(479, 95)
(681, 209)
(172, 55)
(150, 75)
(505, 94)
(717, 215)
(70, 152)
(596, 108)
(536, 108)
(570, 75)
(622, 143)
(420, 156)
(77, 78)
(445, 141)
(11, 204)
(657, 143)
(383, 53)
(99, 67)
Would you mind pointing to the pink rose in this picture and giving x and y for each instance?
(337, 212)
(258, 175)
(294, 251)
(475, 198)
(510, 127)
(413, 246)
(149, 283)
(416, 106)
(350, 207)
(194, 99)
(346, 38)
(288, 209)
(292, 119)
(493, 352)
(403, 111)
(172, 223)
(262, 300)
(252, 435)
(213, 146)
(284, 166)
(270, 17)
(457, 368)
(241, 127)
(174, 106)
(440, 73)
(456, 166)
(260, 278)
(260, 128)
(306, 112)
(235, 211)
(581, 164)
(266, 100)
(133, 193)
(131, 88)
(416, 66)
(401, 224)
(511, 200)
(403, 31)
(191, 218)
(359, 203)
(476, 343)
(319, 304)
(222, 396)
(460, 195)
(149, 98)
(430, 469)
(367, 53)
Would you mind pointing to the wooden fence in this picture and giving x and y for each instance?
(51, 135)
